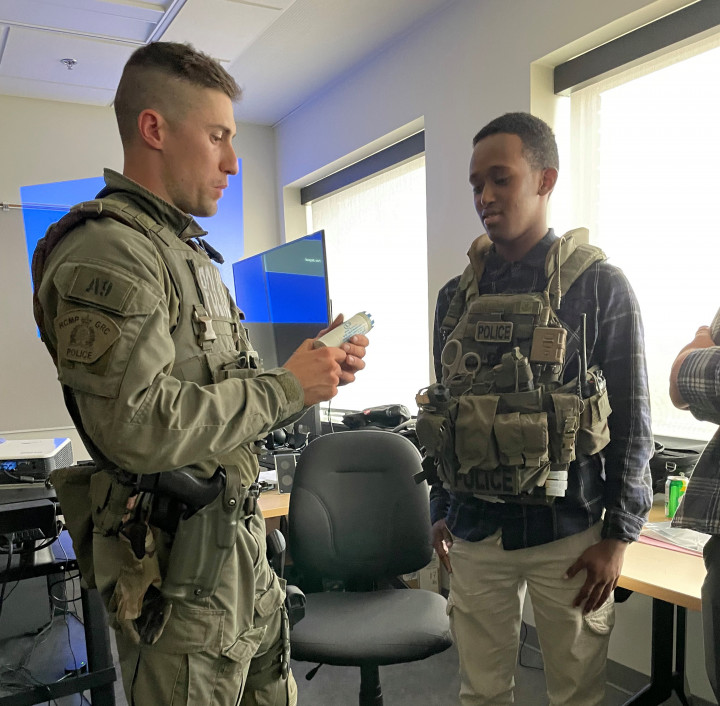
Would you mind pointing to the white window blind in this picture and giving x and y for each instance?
(645, 179)
(376, 241)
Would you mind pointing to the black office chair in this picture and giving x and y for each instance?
(358, 520)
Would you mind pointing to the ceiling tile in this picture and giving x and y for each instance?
(94, 17)
(55, 91)
(240, 26)
(32, 54)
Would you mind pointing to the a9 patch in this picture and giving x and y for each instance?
(101, 286)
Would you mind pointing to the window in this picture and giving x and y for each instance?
(645, 179)
(376, 241)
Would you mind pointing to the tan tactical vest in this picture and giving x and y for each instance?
(210, 342)
(500, 425)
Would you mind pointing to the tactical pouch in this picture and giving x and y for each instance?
(534, 429)
(109, 500)
(521, 429)
(566, 409)
(72, 486)
(508, 433)
(475, 443)
(594, 432)
(201, 546)
(434, 431)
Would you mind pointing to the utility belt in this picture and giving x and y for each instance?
(202, 514)
(514, 446)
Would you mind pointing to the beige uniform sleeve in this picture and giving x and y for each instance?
(107, 298)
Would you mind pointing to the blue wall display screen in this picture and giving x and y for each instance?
(283, 293)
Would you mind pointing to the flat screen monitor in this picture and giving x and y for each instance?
(283, 293)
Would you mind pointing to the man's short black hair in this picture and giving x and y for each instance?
(539, 146)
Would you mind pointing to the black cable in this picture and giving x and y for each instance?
(9, 540)
(20, 479)
(47, 543)
(523, 638)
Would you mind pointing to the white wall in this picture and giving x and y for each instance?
(464, 66)
(47, 141)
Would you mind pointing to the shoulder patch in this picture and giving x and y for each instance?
(101, 286)
(84, 335)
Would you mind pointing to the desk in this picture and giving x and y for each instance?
(673, 580)
(274, 504)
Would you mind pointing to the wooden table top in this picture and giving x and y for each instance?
(662, 573)
(274, 504)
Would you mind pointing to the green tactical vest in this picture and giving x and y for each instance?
(211, 344)
(500, 425)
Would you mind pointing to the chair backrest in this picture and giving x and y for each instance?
(356, 512)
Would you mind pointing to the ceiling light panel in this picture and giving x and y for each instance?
(127, 21)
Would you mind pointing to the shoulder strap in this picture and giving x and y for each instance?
(78, 214)
(468, 285)
(566, 261)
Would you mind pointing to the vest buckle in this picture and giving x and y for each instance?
(206, 333)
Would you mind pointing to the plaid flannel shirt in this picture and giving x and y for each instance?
(699, 385)
(615, 481)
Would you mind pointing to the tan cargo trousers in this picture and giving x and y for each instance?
(223, 650)
(487, 590)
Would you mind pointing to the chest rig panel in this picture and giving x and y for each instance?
(211, 344)
(500, 424)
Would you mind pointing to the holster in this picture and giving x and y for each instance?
(204, 541)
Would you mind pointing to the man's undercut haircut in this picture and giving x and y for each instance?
(539, 146)
(158, 75)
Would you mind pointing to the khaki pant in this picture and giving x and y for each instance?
(223, 650)
(487, 590)
(711, 612)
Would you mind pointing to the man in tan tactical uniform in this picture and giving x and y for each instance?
(158, 373)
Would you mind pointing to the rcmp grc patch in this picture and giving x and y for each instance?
(84, 335)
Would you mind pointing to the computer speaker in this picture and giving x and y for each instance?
(285, 467)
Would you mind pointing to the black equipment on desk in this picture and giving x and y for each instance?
(29, 516)
(669, 462)
(386, 416)
(28, 520)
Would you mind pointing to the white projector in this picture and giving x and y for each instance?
(33, 458)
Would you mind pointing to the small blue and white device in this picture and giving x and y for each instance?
(33, 459)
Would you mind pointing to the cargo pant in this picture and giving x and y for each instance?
(222, 650)
(487, 589)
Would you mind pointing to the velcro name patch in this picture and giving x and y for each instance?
(83, 336)
(494, 331)
(101, 286)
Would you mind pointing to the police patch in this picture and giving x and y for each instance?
(83, 336)
(494, 331)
